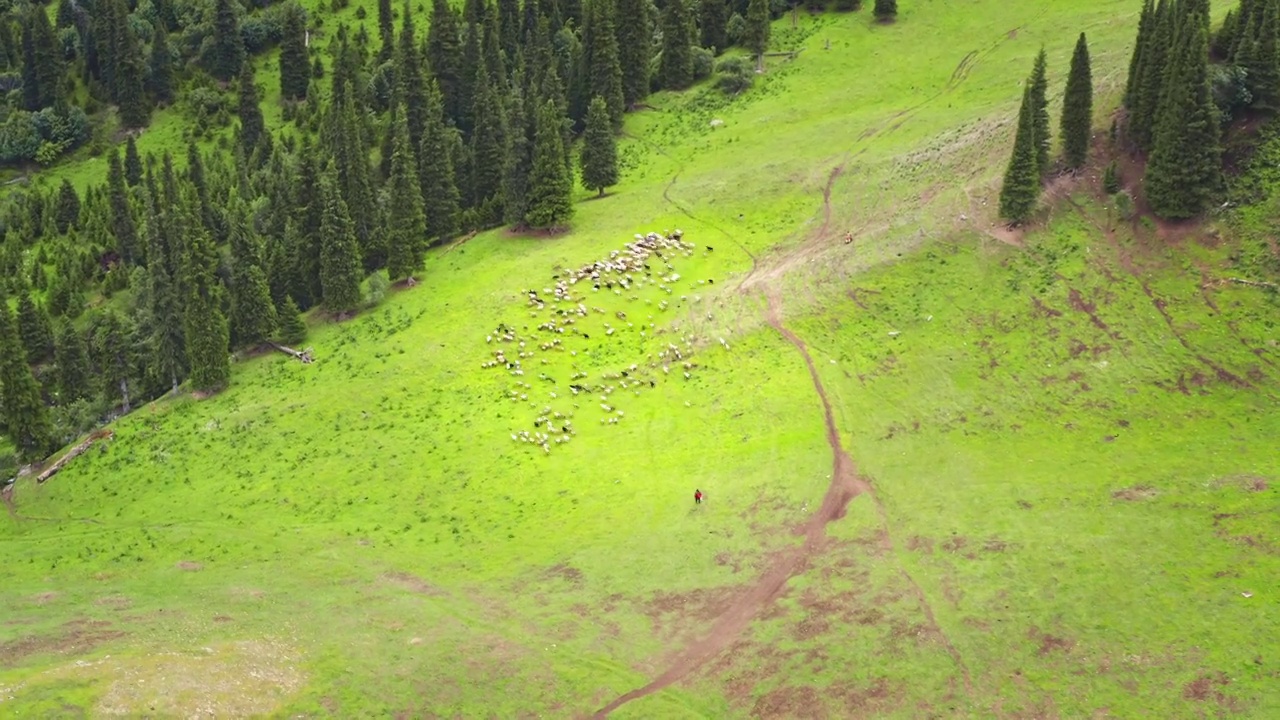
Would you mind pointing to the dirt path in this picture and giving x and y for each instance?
(846, 484)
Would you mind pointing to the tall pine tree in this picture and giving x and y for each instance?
(71, 355)
(25, 417)
(1077, 107)
(339, 251)
(225, 54)
(35, 329)
(550, 203)
(1021, 189)
(603, 65)
(122, 224)
(295, 68)
(1146, 26)
(444, 55)
(132, 163)
(1147, 88)
(160, 80)
(407, 223)
(130, 69)
(756, 36)
(435, 170)
(251, 123)
(599, 152)
(1039, 87)
(253, 316)
(713, 20)
(675, 71)
(635, 49)
(163, 336)
(206, 331)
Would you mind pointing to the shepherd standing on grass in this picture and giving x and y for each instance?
(697, 497)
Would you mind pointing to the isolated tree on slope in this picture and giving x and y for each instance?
(599, 151)
(292, 327)
(71, 354)
(436, 175)
(1021, 188)
(756, 36)
(886, 10)
(226, 50)
(1039, 88)
(132, 163)
(25, 416)
(252, 314)
(206, 332)
(1077, 107)
(550, 188)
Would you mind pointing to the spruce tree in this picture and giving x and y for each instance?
(67, 212)
(635, 49)
(550, 204)
(111, 348)
(250, 110)
(304, 247)
(713, 21)
(135, 111)
(1186, 161)
(356, 186)
(253, 316)
(1077, 107)
(509, 26)
(411, 83)
(440, 197)
(35, 330)
(30, 65)
(132, 163)
(122, 224)
(407, 223)
(472, 63)
(206, 331)
(1039, 88)
(295, 67)
(1262, 64)
(163, 337)
(292, 327)
(160, 81)
(1021, 189)
(515, 181)
(339, 251)
(26, 420)
(1147, 88)
(226, 47)
(886, 10)
(756, 36)
(71, 355)
(1146, 27)
(602, 59)
(675, 71)
(386, 31)
(444, 55)
(599, 153)
(47, 56)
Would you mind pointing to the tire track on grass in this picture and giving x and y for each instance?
(846, 484)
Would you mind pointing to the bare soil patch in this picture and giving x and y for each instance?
(73, 638)
(790, 702)
(1048, 643)
(412, 583)
(1135, 493)
(190, 566)
(568, 573)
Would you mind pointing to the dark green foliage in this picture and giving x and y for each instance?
(160, 81)
(250, 110)
(435, 171)
(122, 224)
(1146, 28)
(550, 204)
(886, 10)
(599, 152)
(132, 163)
(386, 31)
(515, 182)
(303, 244)
(356, 185)
(339, 251)
(292, 327)
(71, 355)
(162, 328)
(1111, 179)
(1077, 107)
(295, 69)
(130, 70)
(635, 49)
(488, 146)
(25, 418)
(509, 26)
(406, 221)
(1225, 39)
(42, 66)
(1262, 61)
(713, 19)
(1185, 170)
(206, 331)
(1147, 87)
(1021, 189)
(112, 351)
(601, 58)
(226, 52)
(253, 316)
(444, 56)
(411, 85)
(67, 211)
(35, 330)
(1038, 85)
(675, 71)
(755, 38)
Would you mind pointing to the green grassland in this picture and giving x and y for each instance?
(1068, 438)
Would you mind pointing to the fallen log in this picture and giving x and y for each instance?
(73, 453)
(303, 356)
(1254, 283)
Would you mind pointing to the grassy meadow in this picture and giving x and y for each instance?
(1069, 438)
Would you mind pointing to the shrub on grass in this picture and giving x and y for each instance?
(703, 62)
(734, 75)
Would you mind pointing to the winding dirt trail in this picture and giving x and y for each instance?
(846, 484)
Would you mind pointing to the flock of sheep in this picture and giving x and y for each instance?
(567, 324)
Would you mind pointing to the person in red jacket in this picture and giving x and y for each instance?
(697, 497)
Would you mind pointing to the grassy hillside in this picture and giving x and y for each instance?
(950, 471)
